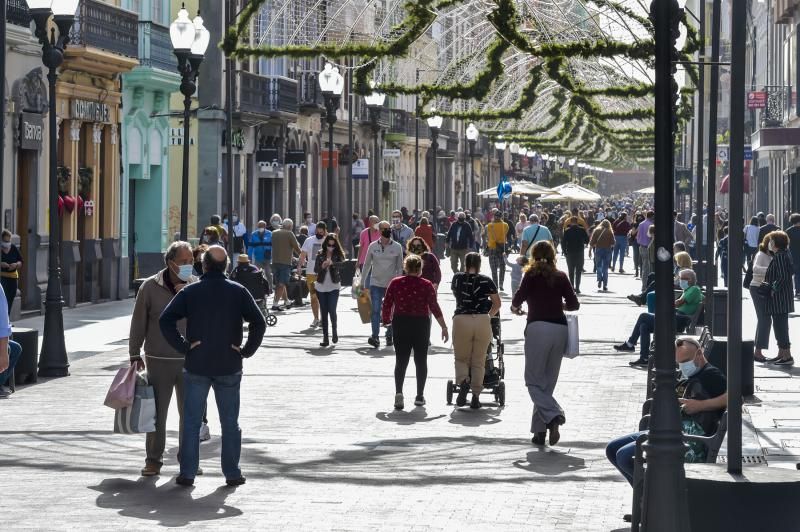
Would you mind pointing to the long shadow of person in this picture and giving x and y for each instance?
(401, 417)
(169, 504)
(550, 462)
(475, 418)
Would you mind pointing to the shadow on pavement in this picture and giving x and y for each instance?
(411, 417)
(475, 418)
(550, 462)
(142, 499)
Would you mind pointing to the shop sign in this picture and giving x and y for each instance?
(31, 131)
(361, 169)
(89, 111)
(296, 159)
(756, 100)
(267, 158)
(88, 207)
(391, 152)
(326, 156)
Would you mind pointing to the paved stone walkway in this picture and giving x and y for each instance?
(323, 449)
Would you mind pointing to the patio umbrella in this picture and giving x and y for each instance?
(518, 188)
(646, 190)
(725, 184)
(571, 192)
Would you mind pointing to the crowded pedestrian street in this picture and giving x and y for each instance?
(324, 449)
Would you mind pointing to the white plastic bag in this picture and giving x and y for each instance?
(356, 284)
(573, 336)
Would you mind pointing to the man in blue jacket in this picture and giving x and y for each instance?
(260, 250)
(214, 309)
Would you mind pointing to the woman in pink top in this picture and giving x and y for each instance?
(368, 236)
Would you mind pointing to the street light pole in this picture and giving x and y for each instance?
(472, 137)
(375, 102)
(665, 504)
(331, 83)
(434, 124)
(53, 360)
(189, 40)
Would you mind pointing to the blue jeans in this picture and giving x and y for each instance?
(376, 294)
(621, 452)
(14, 354)
(603, 258)
(620, 248)
(226, 392)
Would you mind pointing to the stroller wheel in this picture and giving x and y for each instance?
(272, 320)
(450, 390)
(501, 393)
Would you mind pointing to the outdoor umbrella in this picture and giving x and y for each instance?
(725, 184)
(571, 192)
(518, 188)
(646, 190)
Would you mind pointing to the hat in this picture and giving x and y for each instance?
(243, 258)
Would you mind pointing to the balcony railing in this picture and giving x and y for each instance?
(267, 94)
(106, 27)
(155, 47)
(779, 103)
(399, 121)
(309, 94)
(17, 13)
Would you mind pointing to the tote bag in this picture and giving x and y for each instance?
(120, 394)
(140, 417)
(573, 337)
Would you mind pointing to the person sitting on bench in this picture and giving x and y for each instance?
(704, 399)
(685, 307)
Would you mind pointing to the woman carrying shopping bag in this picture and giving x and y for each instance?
(547, 293)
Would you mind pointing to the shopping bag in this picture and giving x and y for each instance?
(573, 338)
(365, 306)
(356, 285)
(140, 417)
(120, 394)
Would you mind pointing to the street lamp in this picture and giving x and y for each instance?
(53, 361)
(189, 42)
(434, 124)
(374, 105)
(472, 139)
(530, 155)
(500, 146)
(514, 149)
(331, 83)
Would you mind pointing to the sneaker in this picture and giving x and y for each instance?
(419, 401)
(784, 362)
(276, 308)
(636, 299)
(463, 390)
(476, 403)
(398, 401)
(205, 433)
(578, 291)
(621, 270)
(389, 341)
(374, 342)
(151, 470)
(612, 268)
(314, 324)
(538, 438)
(235, 481)
(199, 471)
(625, 346)
(638, 363)
(6, 389)
(4, 394)
(183, 481)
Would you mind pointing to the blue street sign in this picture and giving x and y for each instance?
(748, 153)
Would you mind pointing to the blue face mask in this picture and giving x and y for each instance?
(185, 272)
(684, 284)
(688, 368)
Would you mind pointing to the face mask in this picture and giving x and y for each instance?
(262, 230)
(397, 221)
(688, 369)
(225, 221)
(684, 284)
(6, 245)
(185, 271)
(308, 220)
(386, 233)
(235, 219)
(331, 248)
(375, 227)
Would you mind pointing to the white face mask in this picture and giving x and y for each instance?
(375, 227)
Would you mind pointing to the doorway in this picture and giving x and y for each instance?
(26, 224)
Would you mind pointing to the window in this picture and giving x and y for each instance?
(158, 11)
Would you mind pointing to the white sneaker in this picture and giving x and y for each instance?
(315, 324)
(205, 433)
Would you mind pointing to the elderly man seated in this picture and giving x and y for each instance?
(251, 277)
(685, 307)
(703, 401)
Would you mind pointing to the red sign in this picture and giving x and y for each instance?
(756, 100)
(325, 158)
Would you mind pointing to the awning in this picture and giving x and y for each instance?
(724, 184)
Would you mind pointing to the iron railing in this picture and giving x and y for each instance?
(266, 94)
(779, 103)
(309, 94)
(17, 13)
(155, 47)
(106, 27)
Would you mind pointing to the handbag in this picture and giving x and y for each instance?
(365, 306)
(354, 288)
(573, 336)
(120, 394)
(140, 417)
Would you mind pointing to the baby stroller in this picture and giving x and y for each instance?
(257, 285)
(495, 368)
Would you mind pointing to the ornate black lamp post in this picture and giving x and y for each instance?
(472, 139)
(331, 83)
(434, 125)
(53, 361)
(375, 102)
(500, 148)
(189, 41)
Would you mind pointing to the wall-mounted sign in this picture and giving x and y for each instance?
(31, 131)
(267, 159)
(325, 158)
(391, 152)
(89, 111)
(361, 169)
(756, 100)
(295, 159)
(88, 207)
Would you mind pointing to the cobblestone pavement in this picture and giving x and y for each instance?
(322, 447)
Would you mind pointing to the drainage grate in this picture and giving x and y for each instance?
(746, 459)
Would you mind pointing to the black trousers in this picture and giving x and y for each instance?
(10, 289)
(411, 333)
(574, 269)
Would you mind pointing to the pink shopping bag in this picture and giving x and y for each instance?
(120, 394)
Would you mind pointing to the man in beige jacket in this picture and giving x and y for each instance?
(164, 364)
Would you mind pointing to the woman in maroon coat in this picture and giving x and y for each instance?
(430, 264)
